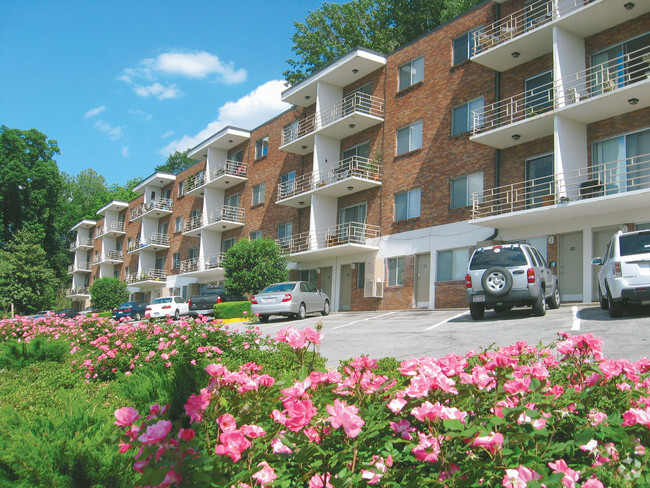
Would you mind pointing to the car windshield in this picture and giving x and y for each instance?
(127, 305)
(635, 244)
(498, 256)
(279, 287)
(162, 300)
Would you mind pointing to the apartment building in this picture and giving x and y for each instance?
(517, 120)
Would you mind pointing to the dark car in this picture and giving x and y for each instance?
(68, 313)
(204, 303)
(134, 310)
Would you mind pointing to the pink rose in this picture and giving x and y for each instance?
(342, 415)
(126, 416)
(156, 433)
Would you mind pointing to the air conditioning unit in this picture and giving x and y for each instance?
(374, 278)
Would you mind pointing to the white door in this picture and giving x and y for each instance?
(345, 288)
(422, 280)
(570, 266)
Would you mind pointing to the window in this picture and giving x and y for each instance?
(361, 151)
(309, 275)
(539, 93)
(178, 224)
(358, 100)
(624, 162)
(181, 188)
(255, 235)
(409, 138)
(539, 180)
(160, 262)
(464, 46)
(407, 205)
(462, 189)
(361, 275)
(621, 64)
(287, 184)
(452, 264)
(163, 227)
(227, 244)
(232, 200)
(192, 254)
(463, 118)
(262, 147)
(285, 231)
(258, 193)
(396, 271)
(167, 193)
(411, 73)
(237, 156)
(176, 260)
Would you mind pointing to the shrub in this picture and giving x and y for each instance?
(108, 293)
(16, 355)
(232, 310)
(251, 265)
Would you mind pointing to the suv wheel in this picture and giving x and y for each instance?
(496, 281)
(554, 301)
(615, 308)
(477, 311)
(539, 309)
(604, 304)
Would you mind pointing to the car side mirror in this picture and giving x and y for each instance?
(552, 264)
(597, 261)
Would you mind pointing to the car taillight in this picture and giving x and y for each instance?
(531, 275)
(287, 297)
(616, 268)
(190, 302)
(126, 310)
(164, 306)
(148, 308)
(468, 280)
(254, 300)
(218, 299)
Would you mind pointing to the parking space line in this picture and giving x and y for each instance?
(576, 320)
(445, 321)
(363, 320)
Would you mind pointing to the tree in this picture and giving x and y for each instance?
(124, 193)
(108, 293)
(252, 265)
(380, 25)
(176, 162)
(26, 280)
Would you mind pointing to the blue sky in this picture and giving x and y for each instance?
(121, 84)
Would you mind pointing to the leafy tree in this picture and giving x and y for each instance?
(124, 193)
(381, 25)
(252, 265)
(107, 293)
(25, 278)
(176, 162)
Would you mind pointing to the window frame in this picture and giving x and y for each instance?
(176, 260)
(469, 119)
(468, 37)
(407, 194)
(468, 202)
(178, 224)
(181, 188)
(398, 273)
(458, 268)
(227, 244)
(411, 146)
(413, 72)
(255, 235)
(259, 194)
(284, 227)
(261, 147)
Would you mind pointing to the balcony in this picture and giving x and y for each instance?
(152, 279)
(231, 173)
(602, 91)
(111, 257)
(528, 33)
(82, 243)
(155, 242)
(337, 240)
(220, 219)
(616, 186)
(82, 266)
(158, 207)
(353, 114)
(201, 267)
(351, 175)
(80, 292)
(112, 229)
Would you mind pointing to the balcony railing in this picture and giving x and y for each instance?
(202, 264)
(117, 227)
(355, 102)
(195, 181)
(598, 79)
(79, 266)
(82, 242)
(336, 235)
(224, 213)
(165, 204)
(109, 256)
(600, 180)
(155, 239)
(354, 166)
(151, 275)
(78, 291)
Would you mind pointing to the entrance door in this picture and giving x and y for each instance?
(570, 266)
(600, 240)
(346, 288)
(326, 281)
(423, 272)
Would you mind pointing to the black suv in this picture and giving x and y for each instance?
(504, 276)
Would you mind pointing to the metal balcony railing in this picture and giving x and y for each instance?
(79, 266)
(227, 213)
(202, 264)
(111, 227)
(109, 256)
(336, 235)
(82, 242)
(195, 181)
(354, 166)
(531, 17)
(78, 291)
(151, 275)
(155, 239)
(157, 203)
(355, 102)
(231, 168)
(602, 78)
(600, 180)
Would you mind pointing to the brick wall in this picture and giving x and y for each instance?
(451, 294)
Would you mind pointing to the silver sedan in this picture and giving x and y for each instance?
(291, 299)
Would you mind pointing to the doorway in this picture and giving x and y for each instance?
(345, 299)
(326, 281)
(422, 279)
(570, 266)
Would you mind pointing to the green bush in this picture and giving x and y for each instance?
(232, 310)
(108, 293)
(16, 355)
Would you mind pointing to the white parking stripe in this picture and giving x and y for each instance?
(445, 321)
(576, 320)
(363, 320)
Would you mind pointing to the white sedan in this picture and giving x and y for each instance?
(168, 306)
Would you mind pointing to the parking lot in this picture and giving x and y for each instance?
(416, 333)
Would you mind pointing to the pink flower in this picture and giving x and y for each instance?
(491, 442)
(345, 416)
(296, 339)
(313, 336)
(265, 475)
(156, 433)
(227, 422)
(186, 434)
(196, 405)
(252, 431)
(403, 427)
(519, 478)
(279, 447)
(592, 483)
(637, 416)
(299, 414)
(396, 405)
(570, 475)
(126, 416)
(428, 449)
(596, 417)
(320, 481)
(233, 443)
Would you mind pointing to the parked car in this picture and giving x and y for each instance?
(89, 311)
(625, 274)
(203, 304)
(68, 313)
(134, 310)
(504, 276)
(41, 314)
(168, 306)
(291, 299)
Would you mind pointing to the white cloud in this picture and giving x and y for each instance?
(157, 90)
(143, 115)
(167, 134)
(198, 65)
(248, 112)
(126, 151)
(113, 133)
(94, 111)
